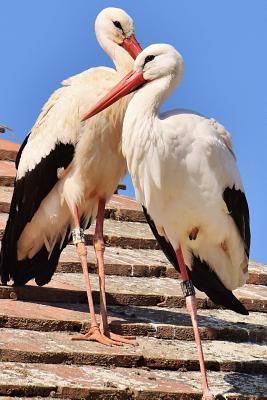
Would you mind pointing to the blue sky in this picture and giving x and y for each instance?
(224, 48)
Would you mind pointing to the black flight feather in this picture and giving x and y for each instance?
(238, 209)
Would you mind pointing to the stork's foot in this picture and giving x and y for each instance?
(94, 334)
(121, 339)
(207, 395)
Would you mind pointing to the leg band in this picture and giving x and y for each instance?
(78, 235)
(188, 288)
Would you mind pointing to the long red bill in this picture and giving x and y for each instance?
(132, 46)
(127, 85)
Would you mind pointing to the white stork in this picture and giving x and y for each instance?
(67, 170)
(185, 175)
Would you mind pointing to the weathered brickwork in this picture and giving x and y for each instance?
(39, 360)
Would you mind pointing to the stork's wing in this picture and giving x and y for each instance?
(29, 191)
(25, 141)
(49, 146)
(46, 148)
(165, 245)
(203, 278)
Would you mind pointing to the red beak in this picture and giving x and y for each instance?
(127, 85)
(131, 45)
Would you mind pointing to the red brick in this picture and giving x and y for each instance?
(20, 340)
(58, 348)
(163, 292)
(7, 173)
(141, 321)
(123, 384)
(8, 150)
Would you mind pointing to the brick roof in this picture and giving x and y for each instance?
(36, 323)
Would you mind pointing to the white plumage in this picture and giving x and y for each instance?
(183, 169)
(181, 162)
(185, 175)
(97, 165)
(180, 177)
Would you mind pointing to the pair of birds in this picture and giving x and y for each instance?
(182, 165)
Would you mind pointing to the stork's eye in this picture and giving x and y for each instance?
(148, 59)
(118, 25)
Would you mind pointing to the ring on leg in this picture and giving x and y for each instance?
(78, 235)
(188, 288)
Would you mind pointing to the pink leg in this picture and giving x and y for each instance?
(99, 246)
(189, 292)
(94, 333)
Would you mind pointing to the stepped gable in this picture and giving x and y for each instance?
(38, 359)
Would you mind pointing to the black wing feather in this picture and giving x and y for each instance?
(25, 141)
(203, 278)
(29, 191)
(165, 246)
(206, 280)
(238, 208)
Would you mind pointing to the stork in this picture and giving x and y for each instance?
(67, 170)
(185, 175)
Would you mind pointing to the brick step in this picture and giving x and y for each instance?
(116, 383)
(126, 235)
(140, 262)
(133, 320)
(7, 173)
(58, 348)
(8, 150)
(164, 292)
(146, 260)
(121, 208)
(119, 261)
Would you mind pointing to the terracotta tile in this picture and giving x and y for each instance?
(8, 150)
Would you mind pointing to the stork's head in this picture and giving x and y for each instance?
(116, 25)
(158, 63)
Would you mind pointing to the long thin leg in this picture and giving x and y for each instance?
(78, 239)
(189, 292)
(99, 246)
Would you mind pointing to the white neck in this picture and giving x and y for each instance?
(122, 60)
(142, 125)
(146, 102)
